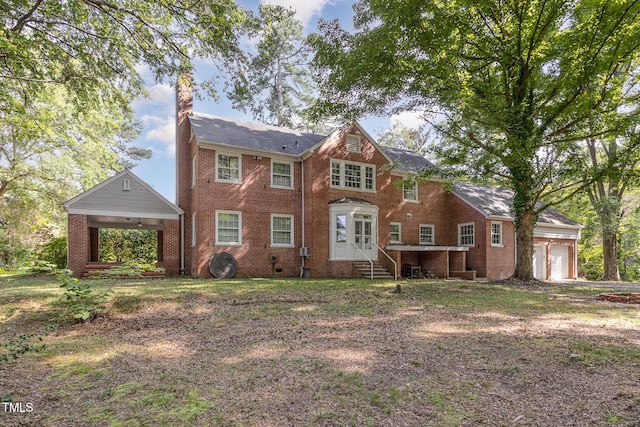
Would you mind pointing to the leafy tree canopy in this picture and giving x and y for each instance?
(515, 81)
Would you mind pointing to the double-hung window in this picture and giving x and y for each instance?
(466, 234)
(228, 168)
(496, 233)
(281, 174)
(352, 176)
(228, 228)
(410, 191)
(281, 230)
(426, 234)
(396, 233)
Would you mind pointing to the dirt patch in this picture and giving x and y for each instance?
(438, 354)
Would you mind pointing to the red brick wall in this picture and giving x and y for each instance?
(171, 246)
(184, 107)
(501, 259)
(255, 198)
(78, 243)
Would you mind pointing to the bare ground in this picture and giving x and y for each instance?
(364, 356)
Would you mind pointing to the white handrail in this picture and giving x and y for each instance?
(395, 264)
(365, 255)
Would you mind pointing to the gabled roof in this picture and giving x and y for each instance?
(407, 161)
(253, 136)
(496, 202)
(109, 198)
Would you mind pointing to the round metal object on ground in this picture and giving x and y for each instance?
(223, 265)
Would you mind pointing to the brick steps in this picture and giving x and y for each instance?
(94, 269)
(363, 269)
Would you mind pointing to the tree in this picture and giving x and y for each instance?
(511, 78)
(401, 136)
(274, 83)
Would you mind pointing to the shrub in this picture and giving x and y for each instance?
(54, 252)
(81, 300)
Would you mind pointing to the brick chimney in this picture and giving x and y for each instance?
(184, 153)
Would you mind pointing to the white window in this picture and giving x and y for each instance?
(341, 228)
(466, 234)
(427, 236)
(396, 233)
(410, 191)
(281, 230)
(228, 168)
(281, 174)
(353, 143)
(193, 229)
(352, 176)
(194, 166)
(228, 228)
(496, 233)
(126, 185)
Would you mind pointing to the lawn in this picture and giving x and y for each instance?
(263, 352)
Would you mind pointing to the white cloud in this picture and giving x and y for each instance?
(162, 132)
(305, 9)
(409, 119)
(161, 96)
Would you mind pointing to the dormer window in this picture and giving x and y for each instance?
(353, 143)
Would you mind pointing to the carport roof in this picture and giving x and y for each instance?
(124, 201)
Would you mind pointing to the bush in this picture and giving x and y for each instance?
(54, 252)
(81, 300)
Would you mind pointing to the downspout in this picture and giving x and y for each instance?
(302, 214)
(182, 244)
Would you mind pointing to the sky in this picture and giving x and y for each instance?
(156, 113)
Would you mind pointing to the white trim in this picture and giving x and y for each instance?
(399, 241)
(470, 245)
(122, 214)
(363, 175)
(433, 234)
(68, 204)
(194, 235)
(194, 170)
(291, 230)
(239, 242)
(404, 199)
(291, 165)
(229, 154)
(500, 244)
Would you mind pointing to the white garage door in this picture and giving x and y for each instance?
(559, 262)
(539, 262)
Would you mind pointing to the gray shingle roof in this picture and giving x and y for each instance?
(493, 201)
(408, 161)
(238, 133)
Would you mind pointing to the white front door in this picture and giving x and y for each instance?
(363, 236)
(540, 262)
(353, 232)
(559, 262)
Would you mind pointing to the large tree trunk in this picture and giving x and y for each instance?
(524, 247)
(610, 251)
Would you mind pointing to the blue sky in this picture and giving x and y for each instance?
(157, 112)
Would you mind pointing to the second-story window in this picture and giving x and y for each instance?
(410, 191)
(352, 176)
(228, 168)
(281, 174)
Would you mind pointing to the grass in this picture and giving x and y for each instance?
(323, 352)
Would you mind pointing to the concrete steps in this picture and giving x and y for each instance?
(363, 269)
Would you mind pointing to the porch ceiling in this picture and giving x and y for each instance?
(130, 222)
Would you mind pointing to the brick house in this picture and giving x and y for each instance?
(258, 200)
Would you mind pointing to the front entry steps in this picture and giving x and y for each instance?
(363, 269)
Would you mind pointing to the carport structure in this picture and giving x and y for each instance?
(122, 201)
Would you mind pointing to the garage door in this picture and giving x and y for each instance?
(539, 262)
(559, 262)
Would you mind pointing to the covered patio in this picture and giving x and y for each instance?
(437, 261)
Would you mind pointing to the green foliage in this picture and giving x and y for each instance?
(20, 344)
(273, 82)
(119, 245)
(80, 299)
(502, 82)
(131, 269)
(54, 252)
